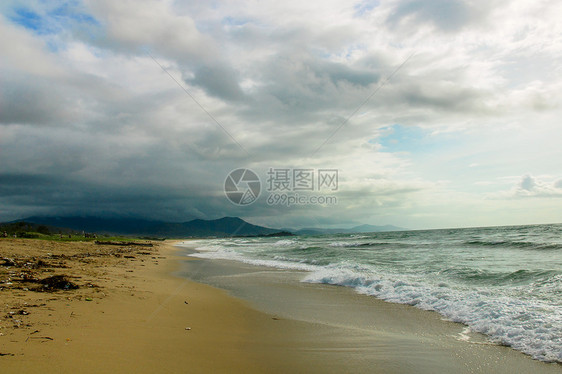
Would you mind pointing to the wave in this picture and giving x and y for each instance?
(278, 262)
(496, 281)
(529, 326)
(343, 244)
(494, 278)
(285, 242)
(514, 244)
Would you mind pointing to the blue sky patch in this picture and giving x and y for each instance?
(67, 12)
(28, 19)
(231, 21)
(365, 6)
(51, 21)
(400, 138)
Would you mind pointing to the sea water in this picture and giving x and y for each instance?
(504, 282)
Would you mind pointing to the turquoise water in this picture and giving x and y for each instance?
(505, 282)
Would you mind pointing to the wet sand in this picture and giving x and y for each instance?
(365, 332)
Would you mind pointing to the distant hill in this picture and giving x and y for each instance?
(374, 228)
(353, 230)
(223, 227)
(319, 231)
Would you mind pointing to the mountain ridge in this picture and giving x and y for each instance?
(222, 227)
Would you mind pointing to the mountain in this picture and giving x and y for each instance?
(320, 231)
(353, 230)
(374, 228)
(223, 227)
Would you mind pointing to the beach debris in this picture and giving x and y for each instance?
(185, 302)
(123, 243)
(56, 282)
(30, 263)
(28, 277)
(188, 328)
(45, 338)
(88, 299)
(6, 354)
(8, 262)
(52, 283)
(17, 323)
(34, 305)
(21, 312)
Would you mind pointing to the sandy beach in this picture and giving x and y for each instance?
(130, 314)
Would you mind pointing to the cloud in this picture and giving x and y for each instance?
(219, 81)
(129, 26)
(36, 103)
(89, 122)
(528, 183)
(532, 187)
(447, 15)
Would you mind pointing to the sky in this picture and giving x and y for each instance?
(433, 113)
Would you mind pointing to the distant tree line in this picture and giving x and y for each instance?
(23, 229)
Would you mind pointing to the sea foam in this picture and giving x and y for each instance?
(529, 326)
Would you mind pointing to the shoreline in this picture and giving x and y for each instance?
(415, 340)
(144, 318)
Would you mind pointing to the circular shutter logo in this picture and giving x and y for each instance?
(242, 186)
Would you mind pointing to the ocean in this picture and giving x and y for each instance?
(504, 282)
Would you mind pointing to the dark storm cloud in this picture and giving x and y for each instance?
(36, 103)
(58, 194)
(62, 100)
(303, 90)
(443, 98)
(219, 81)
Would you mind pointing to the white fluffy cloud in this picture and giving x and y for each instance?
(530, 186)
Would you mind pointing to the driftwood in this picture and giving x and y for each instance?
(124, 243)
